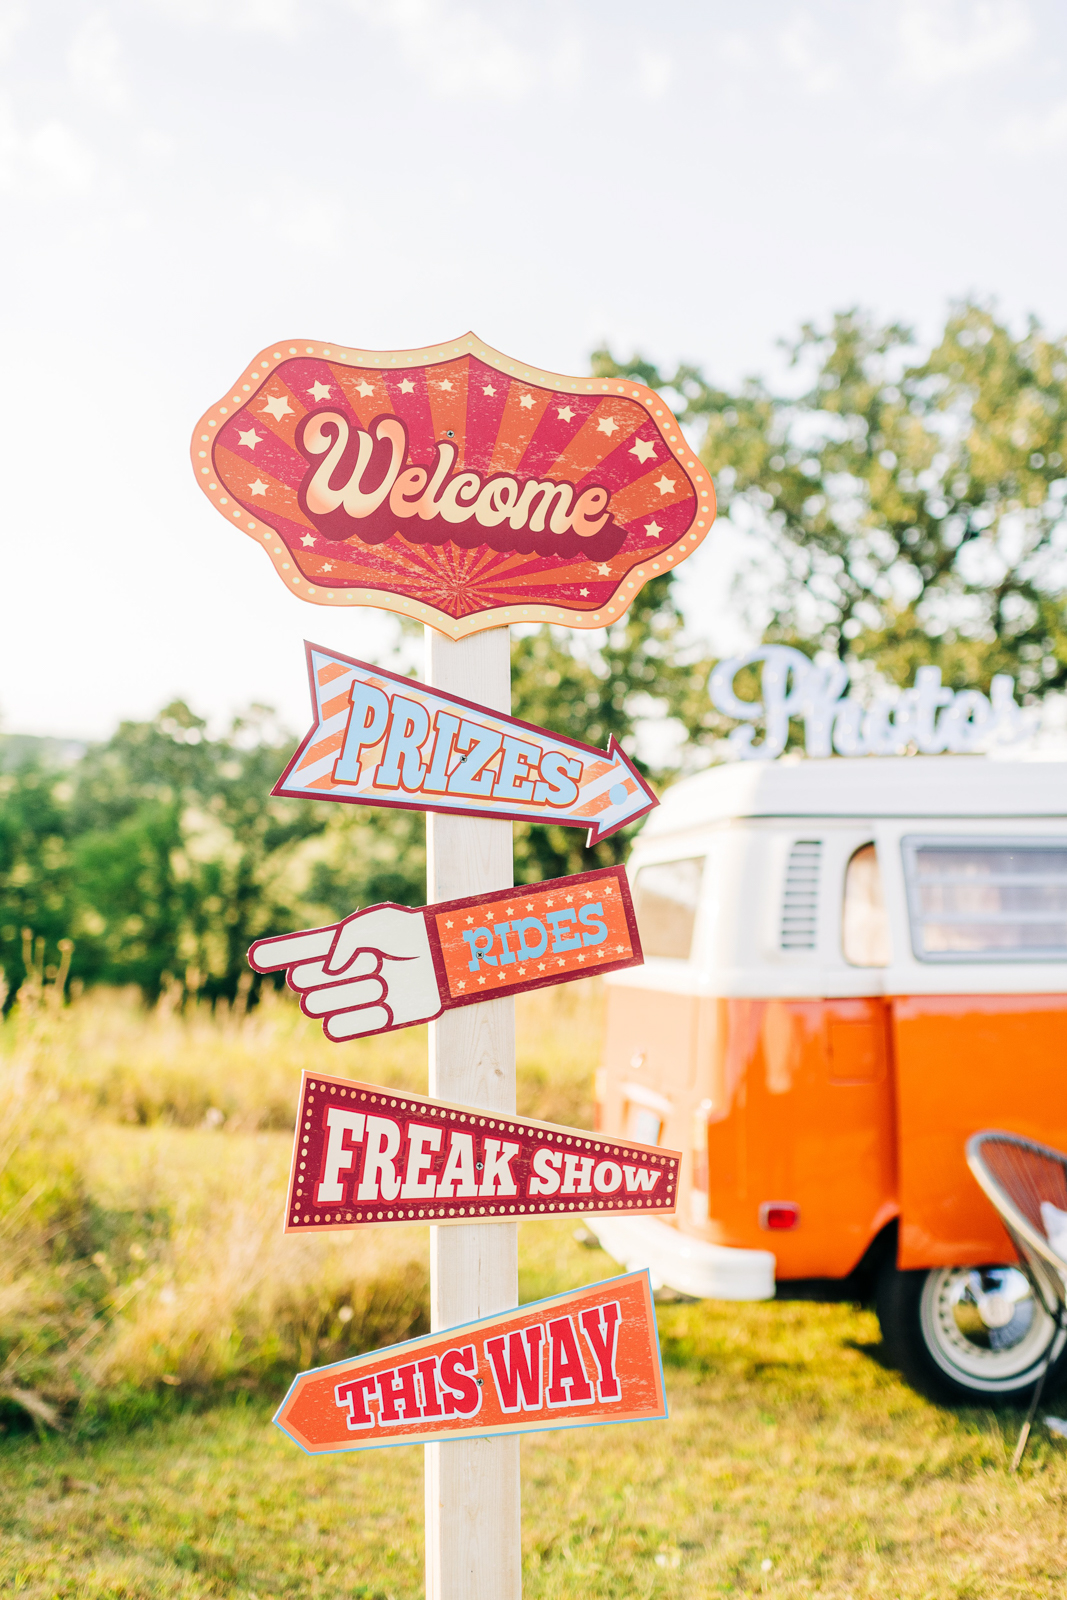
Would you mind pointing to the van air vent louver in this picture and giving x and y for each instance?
(800, 903)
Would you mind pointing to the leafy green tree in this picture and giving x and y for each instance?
(909, 505)
(37, 870)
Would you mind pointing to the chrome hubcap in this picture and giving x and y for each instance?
(983, 1326)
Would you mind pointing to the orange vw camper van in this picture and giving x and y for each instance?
(850, 967)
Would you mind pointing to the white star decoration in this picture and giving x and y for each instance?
(446, 384)
(603, 569)
(406, 386)
(583, 591)
(526, 401)
(308, 540)
(489, 389)
(607, 425)
(642, 449)
(364, 388)
(326, 567)
(279, 407)
(321, 391)
(249, 439)
(664, 484)
(259, 487)
(653, 527)
(565, 414)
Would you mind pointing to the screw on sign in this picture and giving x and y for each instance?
(380, 739)
(465, 490)
(363, 1154)
(575, 1360)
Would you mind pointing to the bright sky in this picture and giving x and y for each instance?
(185, 181)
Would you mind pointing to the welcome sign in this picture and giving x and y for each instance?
(453, 484)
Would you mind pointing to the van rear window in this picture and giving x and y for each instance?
(665, 898)
(987, 899)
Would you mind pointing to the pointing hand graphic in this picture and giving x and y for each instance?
(368, 974)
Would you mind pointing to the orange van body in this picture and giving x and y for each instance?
(848, 1108)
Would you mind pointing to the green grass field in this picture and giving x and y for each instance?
(788, 1445)
(150, 1306)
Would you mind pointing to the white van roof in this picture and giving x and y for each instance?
(864, 786)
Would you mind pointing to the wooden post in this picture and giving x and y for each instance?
(473, 1545)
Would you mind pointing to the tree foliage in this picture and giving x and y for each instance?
(909, 505)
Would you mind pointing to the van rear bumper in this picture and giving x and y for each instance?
(689, 1266)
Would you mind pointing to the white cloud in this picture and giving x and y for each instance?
(12, 18)
(945, 39)
(458, 51)
(1035, 133)
(654, 73)
(807, 57)
(278, 17)
(52, 157)
(95, 65)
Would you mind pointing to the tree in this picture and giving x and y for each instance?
(909, 506)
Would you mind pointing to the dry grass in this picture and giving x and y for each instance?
(143, 1275)
(142, 1172)
(788, 1443)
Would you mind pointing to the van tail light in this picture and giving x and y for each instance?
(698, 1189)
(778, 1216)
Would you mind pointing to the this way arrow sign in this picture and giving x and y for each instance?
(380, 739)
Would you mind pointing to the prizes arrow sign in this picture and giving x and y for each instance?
(380, 739)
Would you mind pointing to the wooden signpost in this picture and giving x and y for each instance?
(468, 491)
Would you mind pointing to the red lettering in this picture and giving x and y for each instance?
(462, 1395)
(353, 1394)
(601, 1324)
(515, 1362)
(399, 1401)
(569, 1384)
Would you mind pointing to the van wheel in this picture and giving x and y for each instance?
(968, 1333)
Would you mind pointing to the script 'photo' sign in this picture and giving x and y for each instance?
(575, 1360)
(363, 1154)
(453, 485)
(380, 739)
(391, 966)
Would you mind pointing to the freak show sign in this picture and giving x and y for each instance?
(453, 484)
(391, 966)
(380, 739)
(364, 1154)
(583, 1358)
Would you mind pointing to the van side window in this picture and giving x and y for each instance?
(800, 901)
(864, 923)
(665, 899)
(987, 899)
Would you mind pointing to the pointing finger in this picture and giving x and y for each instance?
(266, 955)
(313, 974)
(350, 1024)
(343, 996)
